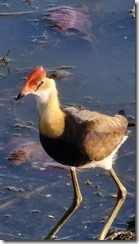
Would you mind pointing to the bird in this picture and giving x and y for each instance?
(76, 137)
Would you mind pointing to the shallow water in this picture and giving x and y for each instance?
(101, 77)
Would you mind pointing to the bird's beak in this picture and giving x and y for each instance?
(20, 95)
(25, 91)
(37, 74)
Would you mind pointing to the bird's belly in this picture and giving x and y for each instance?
(63, 152)
(105, 163)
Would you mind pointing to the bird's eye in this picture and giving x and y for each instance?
(38, 85)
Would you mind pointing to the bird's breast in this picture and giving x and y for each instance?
(64, 152)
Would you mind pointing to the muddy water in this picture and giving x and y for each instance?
(34, 190)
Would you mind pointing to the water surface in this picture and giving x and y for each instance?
(35, 194)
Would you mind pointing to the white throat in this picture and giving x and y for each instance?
(43, 95)
(42, 98)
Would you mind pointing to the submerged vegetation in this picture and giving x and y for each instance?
(4, 61)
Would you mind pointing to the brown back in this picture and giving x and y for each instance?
(98, 135)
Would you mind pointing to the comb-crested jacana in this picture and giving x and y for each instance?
(77, 138)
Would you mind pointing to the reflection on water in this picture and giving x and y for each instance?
(101, 77)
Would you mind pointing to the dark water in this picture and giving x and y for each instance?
(102, 78)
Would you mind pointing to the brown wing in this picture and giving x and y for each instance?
(98, 135)
(103, 135)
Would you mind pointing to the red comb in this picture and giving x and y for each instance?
(37, 74)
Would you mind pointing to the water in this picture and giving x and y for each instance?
(102, 78)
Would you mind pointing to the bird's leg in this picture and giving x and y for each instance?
(76, 203)
(122, 192)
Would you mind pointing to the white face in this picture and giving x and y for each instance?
(42, 94)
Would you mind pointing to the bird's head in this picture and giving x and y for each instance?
(37, 83)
